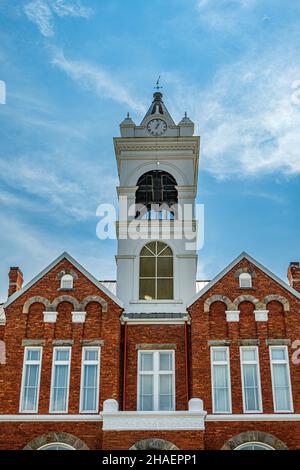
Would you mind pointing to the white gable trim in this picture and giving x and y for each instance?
(80, 268)
(231, 265)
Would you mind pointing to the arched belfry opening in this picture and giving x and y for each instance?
(156, 196)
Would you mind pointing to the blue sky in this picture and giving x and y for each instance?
(74, 68)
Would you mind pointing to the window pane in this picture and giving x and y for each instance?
(251, 391)
(281, 387)
(90, 388)
(31, 378)
(33, 355)
(146, 392)
(149, 249)
(219, 355)
(146, 361)
(91, 355)
(278, 354)
(221, 388)
(60, 388)
(165, 267)
(165, 288)
(165, 393)
(165, 361)
(249, 355)
(166, 252)
(147, 289)
(62, 354)
(147, 267)
(30, 388)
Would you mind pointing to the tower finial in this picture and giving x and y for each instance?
(157, 85)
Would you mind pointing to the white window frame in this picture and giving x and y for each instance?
(83, 363)
(54, 363)
(25, 363)
(156, 374)
(69, 276)
(281, 361)
(242, 277)
(242, 362)
(221, 363)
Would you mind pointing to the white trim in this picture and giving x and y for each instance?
(155, 373)
(23, 379)
(258, 378)
(54, 363)
(50, 317)
(154, 321)
(98, 417)
(232, 316)
(83, 362)
(287, 362)
(254, 417)
(261, 315)
(223, 363)
(80, 268)
(78, 317)
(51, 417)
(231, 265)
(153, 420)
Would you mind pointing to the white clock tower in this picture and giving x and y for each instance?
(158, 168)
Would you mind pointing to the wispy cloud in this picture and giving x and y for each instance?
(43, 12)
(95, 78)
(223, 14)
(249, 116)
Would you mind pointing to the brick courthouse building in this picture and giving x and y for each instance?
(155, 360)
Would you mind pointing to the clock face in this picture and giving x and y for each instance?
(157, 126)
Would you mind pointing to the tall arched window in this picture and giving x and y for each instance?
(156, 191)
(156, 272)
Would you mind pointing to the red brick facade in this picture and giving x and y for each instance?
(118, 367)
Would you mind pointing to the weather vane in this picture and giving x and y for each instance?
(157, 85)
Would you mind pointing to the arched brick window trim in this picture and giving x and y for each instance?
(218, 298)
(95, 298)
(248, 298)
(244, 270)
(254, 436)
(67, 271)
(154, 444)
(33, 300)
(55, 437)
(278, 298)
(66, 298)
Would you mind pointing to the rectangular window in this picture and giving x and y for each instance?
(281, 381)
(59, 399)
(156, 381)
(89, 390)
(31, 380)
(220, 373)
(251, 379)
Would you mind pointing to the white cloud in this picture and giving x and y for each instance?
(75, 9)
(94, 78)
(39, 13)
(43, 12)
(249, 117)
